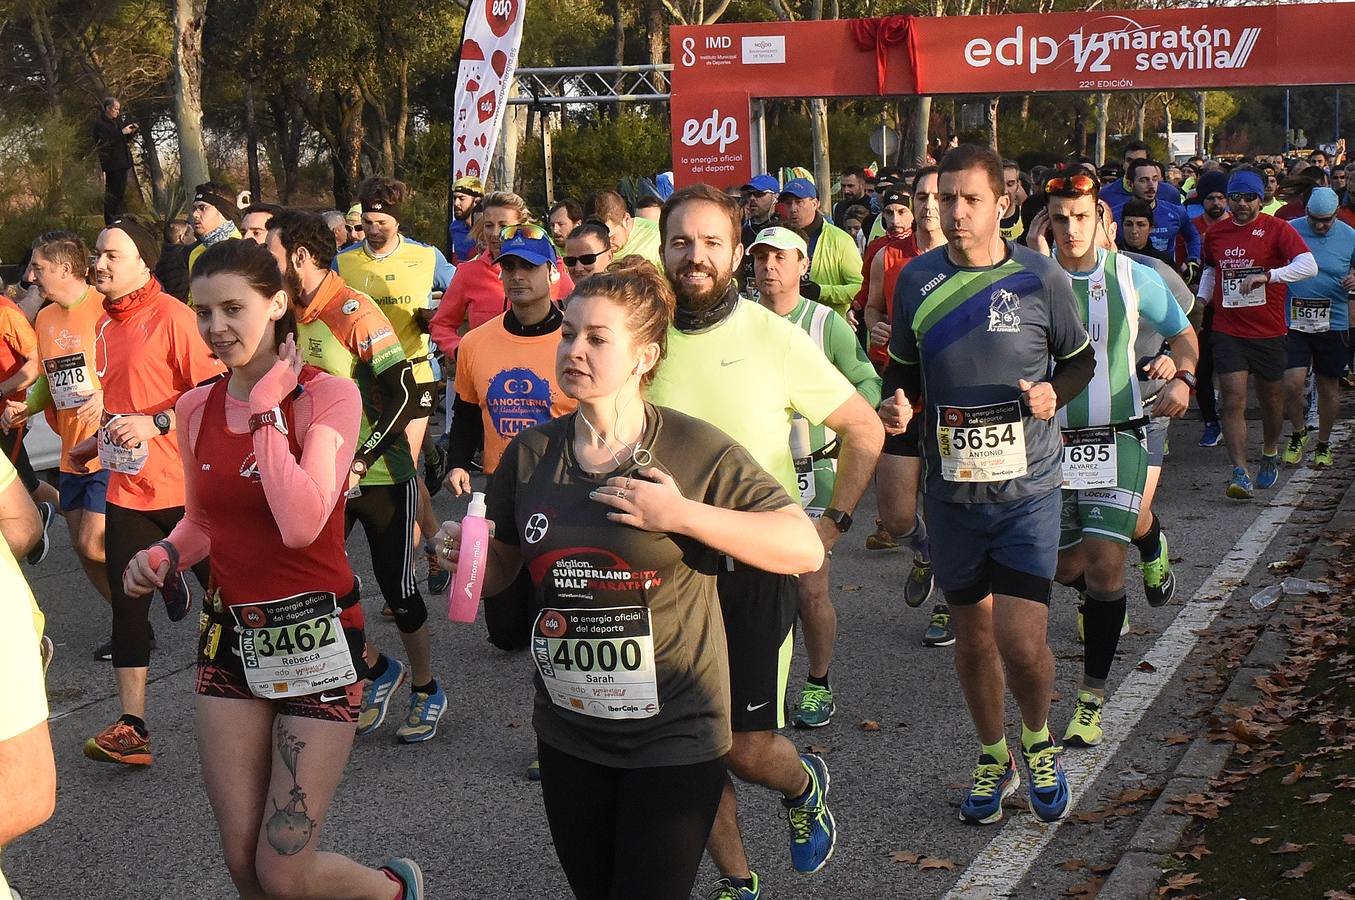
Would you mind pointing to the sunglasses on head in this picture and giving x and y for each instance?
(1243, 197)
(586, 259)
(1071, 184)
(526, 229)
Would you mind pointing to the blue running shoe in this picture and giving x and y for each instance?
(1239, 488)
(812, 829)
(1048, 786)
(409, 875)
(1213, 435)
(726, 889)
(377, 695)
(1269, 473)
(992, 783)
(424, 712)
(178, 598)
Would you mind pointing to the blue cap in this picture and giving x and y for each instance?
(802, 188)
(1322, 202)
(1246, 182)
(763, 184)
(537, 251)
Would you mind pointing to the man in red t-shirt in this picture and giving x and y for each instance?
(1212, 189)
(1249, 259)
(886, 256)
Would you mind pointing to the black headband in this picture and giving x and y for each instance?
(390, 209)
(224, 205)
(147, 244)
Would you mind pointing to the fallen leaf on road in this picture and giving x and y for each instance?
(1146, 666)
(1289, 847)
(1315, 799)
(1259, 841)
(1349, 839)
(1293, 777)
(1298, 871)
(1089, 888)
(870, 725)
(1178, 882)
(1073, 865)
(1338, 895)
(1171, 740)
(819, 749)
(904, 856)
(934, 862)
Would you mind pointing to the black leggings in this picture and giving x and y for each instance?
(386, 512)
(126, 533)
(13, 445)
(1204, 370)
(622, 833)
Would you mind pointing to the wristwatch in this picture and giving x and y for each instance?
(359, 467)
(842, 520)
(268, 417)
(163, 423)
(1188, 378)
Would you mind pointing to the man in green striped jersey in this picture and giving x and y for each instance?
(1105, 457)
(780, 260)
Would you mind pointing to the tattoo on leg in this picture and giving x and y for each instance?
(290, 827)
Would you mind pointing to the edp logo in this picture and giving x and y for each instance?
(713, 130)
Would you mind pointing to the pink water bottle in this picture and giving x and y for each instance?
(464, 601)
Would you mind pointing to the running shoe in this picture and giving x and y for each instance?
(816, 706)
(1084, 729)
(992, 783)
(1269, 473)
(812, 829)
(1293, 451)
(1322, 456)
(377, 694)
(409, 874)
(46, 650)
(939, 633)
(534, 770)
(1240, 487)
(1081, 630)
(1048, 786)
(178, 598)
(425, 710)
(918, 587)
(435, 463)
(1159, 583)
(120, 743)
(46, 512)
(1212, 436)
(881, 539)
(725, 889)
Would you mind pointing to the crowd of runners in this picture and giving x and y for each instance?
(674, 412)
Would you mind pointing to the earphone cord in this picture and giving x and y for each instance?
(630, 450)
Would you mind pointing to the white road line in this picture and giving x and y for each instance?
(1000, 866)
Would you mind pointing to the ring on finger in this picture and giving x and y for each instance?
(620, 495)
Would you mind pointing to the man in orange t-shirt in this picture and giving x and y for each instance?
(19, 368)
(68, 391)
(147, 352)
(505, 371)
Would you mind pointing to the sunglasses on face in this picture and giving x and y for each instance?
(526, 229)
(586, 259)
(1247, 197)
(1071, 184)
(1322, 220)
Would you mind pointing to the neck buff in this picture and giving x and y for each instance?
(124, 307)
(689, 321)
(554, 319)
(218, 234)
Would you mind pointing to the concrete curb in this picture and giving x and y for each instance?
(1137, 873)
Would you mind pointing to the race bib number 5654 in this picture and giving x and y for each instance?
(981, 443)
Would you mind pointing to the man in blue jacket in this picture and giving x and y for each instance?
(1170, 220)
(1118, 193)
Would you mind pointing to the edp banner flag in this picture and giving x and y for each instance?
(489, 55)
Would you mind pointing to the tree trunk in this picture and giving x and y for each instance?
(150, 155)
(400, 127)
(1141, 118)
(289, 125)
(655, 31)
(992, 122)
(618, 14)
(818, 128)
(1080, 130)
(252, 142)
(922, 119)
(49, 54)
(188, 21)
(1025, 107)
(1167, 105)
(1200, 99)
(1102, 120)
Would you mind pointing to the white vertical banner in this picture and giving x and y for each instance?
(489, 56)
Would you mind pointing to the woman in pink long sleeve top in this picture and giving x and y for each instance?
(266, 452)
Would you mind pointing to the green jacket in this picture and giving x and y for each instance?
(836, 268)
(644, 242)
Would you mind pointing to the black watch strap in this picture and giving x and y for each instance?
(842, 520)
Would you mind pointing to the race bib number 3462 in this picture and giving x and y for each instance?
(294, 646)
(981, 443)
(598, 662)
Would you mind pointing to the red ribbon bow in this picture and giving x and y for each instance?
(881, 34)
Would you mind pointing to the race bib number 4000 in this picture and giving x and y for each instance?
(1233, 297)
(1312, 316)
(981, 443)
(294, 646)
(69, 380)
(598, 662)
(1089, 459)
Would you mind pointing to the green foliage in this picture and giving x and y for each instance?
(595, 154)
(46, 182)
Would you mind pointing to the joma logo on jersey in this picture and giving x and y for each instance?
(927, 288)
(1002, 315)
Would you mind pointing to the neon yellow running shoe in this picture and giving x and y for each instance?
(1084, 729)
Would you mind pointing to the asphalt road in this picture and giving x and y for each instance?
(462, 806)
